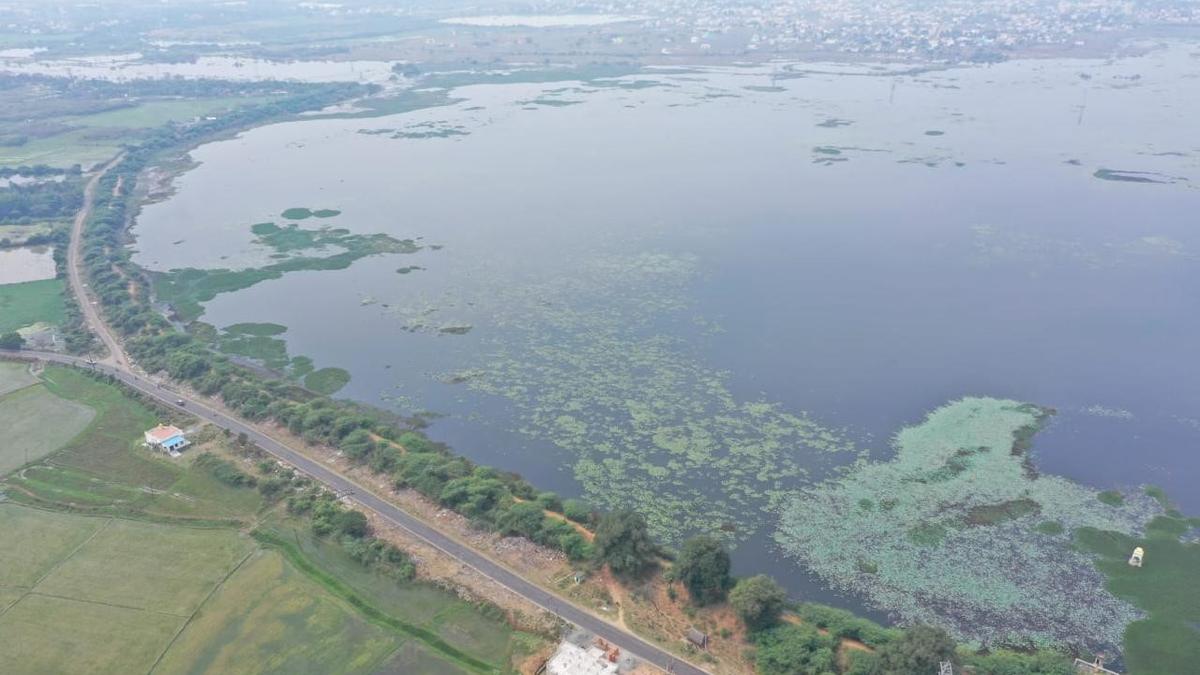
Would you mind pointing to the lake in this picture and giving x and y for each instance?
(695, 292)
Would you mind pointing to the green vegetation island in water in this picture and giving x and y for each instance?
(186, 289)
(302, 213)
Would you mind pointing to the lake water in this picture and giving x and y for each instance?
(693, 293)
(18, 265)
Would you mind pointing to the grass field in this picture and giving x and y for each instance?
(101, 595)
(35, 423)
(31, 302)
(196, 494)
(51, 635)
(14, 375)
(162, 568)
(422, 605)
(269, 618)
(104, 447)
(101, 467)
(114, 593)
(412, 658)
(35, 541)
(93, 139)
(8, 598)
(157, 113)
(80, 146)
(1167, 586)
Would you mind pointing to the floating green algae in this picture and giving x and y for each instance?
(592, 362)
(420, 130)
(966, 535)
(550, 102)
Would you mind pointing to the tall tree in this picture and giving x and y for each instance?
(623, 543)
(921, 649)
(758, 601)
(703, 567)
(12, 340)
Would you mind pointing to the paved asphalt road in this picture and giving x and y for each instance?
(502, 575)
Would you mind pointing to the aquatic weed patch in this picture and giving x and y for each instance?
(302, 213)
(420, 130)
(593, 362)
(955, 530)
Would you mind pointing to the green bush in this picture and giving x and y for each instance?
(524, 519)
(703, 567)
(224, 470)
(550, 501)
(758, 601)
(790, 649)
(920, 649)
(577, 511)
(844, 624)
(623, 543)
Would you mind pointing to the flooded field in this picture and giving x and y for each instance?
(716, 295)
(18, 265)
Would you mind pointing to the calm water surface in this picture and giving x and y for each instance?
(850, 245)
(18, 265)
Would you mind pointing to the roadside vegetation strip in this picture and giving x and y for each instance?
(339, 588)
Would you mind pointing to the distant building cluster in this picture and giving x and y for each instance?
(951, 30)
